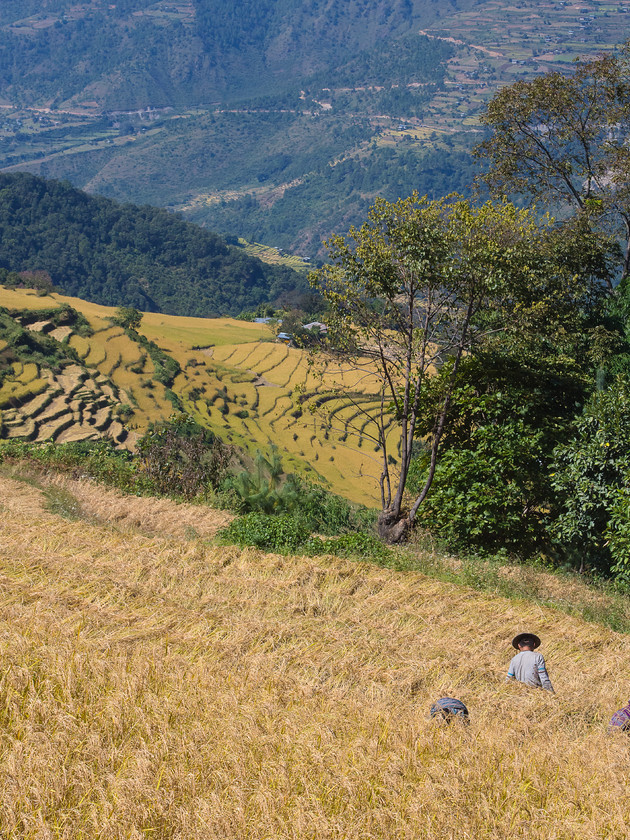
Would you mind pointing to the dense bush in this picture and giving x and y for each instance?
(280, 532)
(363, 545)
(177, 458)
(618, 534)
(286, 533)
(182, 458)
(590, 474)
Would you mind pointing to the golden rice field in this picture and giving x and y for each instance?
(235, 379)
(154, 686)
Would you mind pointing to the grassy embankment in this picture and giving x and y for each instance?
(238, 382)
(157, 686)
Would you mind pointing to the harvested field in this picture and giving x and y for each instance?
(159, 687)
(146, 515)
(39, 326)
(270, 382)
(60, 333)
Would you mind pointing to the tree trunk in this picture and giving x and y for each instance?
(393, 527)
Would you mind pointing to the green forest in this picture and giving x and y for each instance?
(122, 254)
(333, 198)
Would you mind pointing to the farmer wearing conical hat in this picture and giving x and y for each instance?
(527, 666)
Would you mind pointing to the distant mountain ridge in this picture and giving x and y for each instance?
(276, 120)
(122, 254)
(140, 53)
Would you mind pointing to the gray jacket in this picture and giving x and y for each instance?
(529, 667)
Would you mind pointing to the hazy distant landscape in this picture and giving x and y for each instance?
(274, 122)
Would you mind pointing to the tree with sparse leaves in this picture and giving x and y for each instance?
(563, 140)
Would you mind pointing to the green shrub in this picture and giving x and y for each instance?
(271, 533)
(590, 474)
(269, 489)
(286, 533)
(182, 458)
(618, 538)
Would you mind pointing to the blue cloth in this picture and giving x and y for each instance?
(448, 708)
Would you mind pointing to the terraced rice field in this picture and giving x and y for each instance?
(235, 378)
(62, 406)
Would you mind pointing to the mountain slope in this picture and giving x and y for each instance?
(118, 254)
(141, 52)
(67, 373)
(239, 115)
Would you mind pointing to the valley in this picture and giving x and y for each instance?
(258, 513)
(263, 161)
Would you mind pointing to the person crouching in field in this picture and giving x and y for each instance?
(449, 709)
(620, 721)
(529, 667)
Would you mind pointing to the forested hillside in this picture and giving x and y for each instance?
(141, 52)
(216, 109)
(117, 254)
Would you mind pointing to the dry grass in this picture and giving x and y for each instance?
(147, 515)
(153, 687)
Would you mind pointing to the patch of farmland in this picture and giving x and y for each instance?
(77, 432)
(18, 388)
(173, 331)
(60, 333)
(71, 378)
(39, 326)
(116, 347)
(243, 356)
(50, 429)
(27, 299)
(81, 345)
(34, 406)
(264, 355)
(30, 372)
(96, 355)
(67, 405)
(289, 372)
(226, 354)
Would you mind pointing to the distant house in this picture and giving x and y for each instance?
(285, 337)
(323, 329)
(263, 320)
